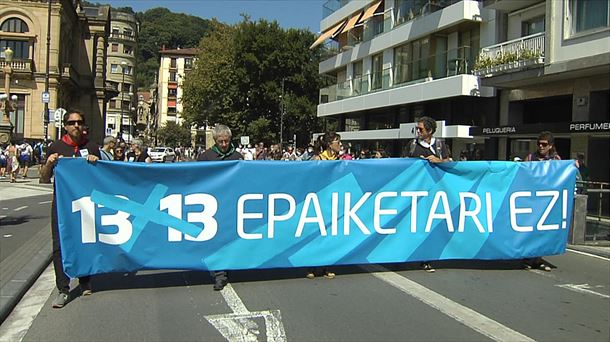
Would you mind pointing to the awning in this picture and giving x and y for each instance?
(171, 103)
(351, 23)
(328, 34)
(369, 12)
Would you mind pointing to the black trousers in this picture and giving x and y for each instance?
(221, 275)
(62, 281)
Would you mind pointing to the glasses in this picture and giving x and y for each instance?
(118, 150)
(74, 122)
(543, 143)
(419, 129)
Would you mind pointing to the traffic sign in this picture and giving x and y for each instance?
(245, 140)
(46, 97)
(58, 115)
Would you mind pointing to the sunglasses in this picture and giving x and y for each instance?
(543, 144)
(419, 129)
(74, 122)
(118, 150)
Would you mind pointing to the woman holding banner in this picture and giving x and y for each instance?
(327, 147)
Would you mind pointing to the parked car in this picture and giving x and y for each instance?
(162, 154)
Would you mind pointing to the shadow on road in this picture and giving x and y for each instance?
(15, 221)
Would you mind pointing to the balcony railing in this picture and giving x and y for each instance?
(514, 55)
(20, 65)
(123, 36)
(448, 63)
(331, 6)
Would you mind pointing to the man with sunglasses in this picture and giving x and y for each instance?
(546, 148)
(428, 147)
(73, 144)
(545, 151)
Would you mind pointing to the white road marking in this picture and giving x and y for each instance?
(2, 217)
(21, 318)
(20, 208)
(240, 326)
(588, 254)
(470, 318)
(582, 288)
(4, 208)
(7, 235)
(45, 202)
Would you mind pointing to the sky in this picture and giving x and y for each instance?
(304, 14)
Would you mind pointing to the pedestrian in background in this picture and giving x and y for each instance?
(138, 153)
(223, 149)
(107, 151)
(73, 144)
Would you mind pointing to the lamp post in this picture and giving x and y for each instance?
(123, 67)
(131, 113)
(6, 127)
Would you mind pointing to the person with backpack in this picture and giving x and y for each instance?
(428, 147)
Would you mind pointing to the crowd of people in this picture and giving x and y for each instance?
(326, 147)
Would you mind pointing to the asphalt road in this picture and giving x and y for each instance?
(462, 301)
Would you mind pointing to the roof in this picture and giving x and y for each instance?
(186, 52)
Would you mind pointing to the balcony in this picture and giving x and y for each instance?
(511, 56)
(449, 63)
(19, 65)
(508, 5)
(331, 6)
(130, 37)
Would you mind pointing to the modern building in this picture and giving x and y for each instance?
(507, 68)
(120, 71)
(174, 65)
(76, 63)
(391, 61)
(550, 64)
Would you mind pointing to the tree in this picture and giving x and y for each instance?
(237, 81)
(172, 134)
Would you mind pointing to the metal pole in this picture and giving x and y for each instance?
(45, 116)
(122, 102)
(282, 118)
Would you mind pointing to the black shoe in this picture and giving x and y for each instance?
(220, 284)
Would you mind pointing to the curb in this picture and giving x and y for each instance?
(602, 251)
(14, 289)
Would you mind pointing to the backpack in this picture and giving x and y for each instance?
(439, 147)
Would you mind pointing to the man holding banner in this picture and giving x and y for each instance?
(223, 149)
(72, 144)
(426, 146)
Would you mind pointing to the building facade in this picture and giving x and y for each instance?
(508, 69)
(174, 65)
(391, 61)
(120, 70)
(550, 65)
(76, 70)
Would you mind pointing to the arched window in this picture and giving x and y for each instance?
(20, 47)
(14, 25)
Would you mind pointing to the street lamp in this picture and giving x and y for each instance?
(123, 67)
(131, 113)
(6, 127)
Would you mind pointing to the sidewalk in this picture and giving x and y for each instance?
(601, 249)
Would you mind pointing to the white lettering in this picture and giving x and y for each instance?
(311, 198)
(440, 196)
(413, 195)
(473, 214)
(272, 217)
(350, 214)
(514, 211)
(378, 212)
(241, 216)
(206, 216)
(541, 223)
(120, 220)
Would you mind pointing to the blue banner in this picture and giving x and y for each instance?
(125, 217)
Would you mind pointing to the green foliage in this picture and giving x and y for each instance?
(237, 81)
(173, 135)
(159, 27)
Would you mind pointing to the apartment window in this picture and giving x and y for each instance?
(587, 15)
(359, 86)
(128, 50)
(114, 68)
(128, 32)
(421, 51)
(115, 47)
(172, 63)
(126, 87)
(402, 58)
(112, 104)
(14, 25)
(171, 110)
(532, 26)
(127, 69)
(172, 92)
(172, 76)
(404, 10)
(21, 49)
(376, 71)
(188, 63)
